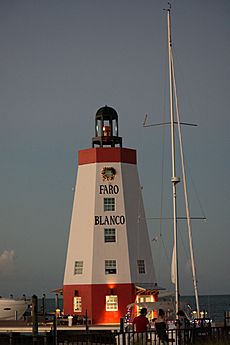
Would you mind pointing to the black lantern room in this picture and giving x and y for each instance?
(106, 128)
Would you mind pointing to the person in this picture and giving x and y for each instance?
(184, 325)
(141, 322)
(140, 327)
(161, 327)
(183, 320)
(152, 322)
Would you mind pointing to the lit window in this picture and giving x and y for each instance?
(77, 304)
(78, 267)
(110, 235)
(109, 204)
(111, 303)
(110, 267)
(141, 266)
(149, 298)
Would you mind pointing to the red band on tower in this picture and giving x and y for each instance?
(103, 154)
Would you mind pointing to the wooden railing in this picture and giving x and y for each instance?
(202, 335)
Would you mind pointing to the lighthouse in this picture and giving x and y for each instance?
(109, 261)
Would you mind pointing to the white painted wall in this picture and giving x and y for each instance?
(86, 240)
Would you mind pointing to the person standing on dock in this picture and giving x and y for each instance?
(141, 322)
(161, 327)
(140, 327)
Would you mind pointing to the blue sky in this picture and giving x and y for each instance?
(62, 60)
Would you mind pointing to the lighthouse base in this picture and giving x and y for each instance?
(102, 303)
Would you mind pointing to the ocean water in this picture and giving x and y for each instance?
(51, 304)
(214, 305)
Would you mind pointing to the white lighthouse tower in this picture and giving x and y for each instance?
(109, 261)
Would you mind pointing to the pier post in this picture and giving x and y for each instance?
(86, 321)
(55, 330)
(44, 304)
(56, 301)
(35, 318)
(121, 325)
(122, 331)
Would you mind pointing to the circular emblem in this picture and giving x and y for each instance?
(108, 173)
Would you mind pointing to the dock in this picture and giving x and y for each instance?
(25, 327)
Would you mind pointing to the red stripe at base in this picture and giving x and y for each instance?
(94, 301)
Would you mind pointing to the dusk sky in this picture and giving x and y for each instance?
(61, 60)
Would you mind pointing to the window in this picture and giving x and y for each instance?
(77, 304)
(141, 266)
(110, 267)
(110, 235)
(149, 299)
(109, 204)
(111, 303)
(78, 267)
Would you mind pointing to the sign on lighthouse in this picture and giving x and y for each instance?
(109, 261)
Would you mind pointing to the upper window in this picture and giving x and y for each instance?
(141, 266)
(109, 204)
(110, 267)
(78, 267)
(110, 235)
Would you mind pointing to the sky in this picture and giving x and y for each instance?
(62, 60)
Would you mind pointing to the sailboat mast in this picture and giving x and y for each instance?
(174, 178)
(188, 217)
